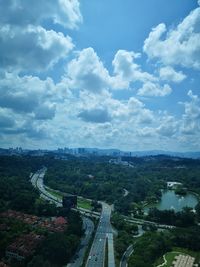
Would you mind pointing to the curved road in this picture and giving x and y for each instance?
(126, 256)
(88, 225)
(104, 230)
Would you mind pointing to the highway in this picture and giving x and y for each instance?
(88, 225)
(103, 234)
(141, 222)
(77, 260)
(37, 182)
(126, 255)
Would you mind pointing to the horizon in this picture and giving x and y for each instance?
(102, 149)
(100, 74)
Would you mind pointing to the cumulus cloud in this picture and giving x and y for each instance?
(16, 125)
(152, 89)
(19, 12)
(45, 112)
(86, 72)
(178, 46)
(85, 101)
(191, 117)
(27, 103)
(28, 95)
(96, 115)
(126, 70)
(139, 112)
(168, 126)
(103, 108)
(146, 132)
(132, 111)
(6, 120)
(31, 48)
(169, 74)
(25, 44)
(135, 105)
(123, 63)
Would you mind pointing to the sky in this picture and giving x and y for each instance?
(100, 73)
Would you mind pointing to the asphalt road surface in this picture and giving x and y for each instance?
(126, 255)
(37, 182)
(77, 260)
(104, 232)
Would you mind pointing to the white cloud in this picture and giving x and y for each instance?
(169, 74)
(84, 101)
(127, 71)
(28, 95)
(192, 108)
(86, 72)
(152, 89)
(179, 46)
(31, 48)
(6, 119)
(168, 126)
(191, 117)
(132, 111)
(123, 63)
(71, 10)
(96, 115)
(135, 105)
(19, 12)
(25, 44)
(146, 132)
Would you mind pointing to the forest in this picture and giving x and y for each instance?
(17, 193)
(97, 179)
(152, 245)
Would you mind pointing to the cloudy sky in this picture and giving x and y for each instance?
(100, 73)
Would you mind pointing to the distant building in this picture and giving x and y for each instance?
(81, 150)
(90, 176)
(173, 184)
(60, 221)
(184, 261)
(53, 224)
(69, 201)
(119, 161)
(23, 247)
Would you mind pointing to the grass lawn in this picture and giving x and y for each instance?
(81, 202)
(170, 256)
(84, 203)
(194, 254)
(54, 193)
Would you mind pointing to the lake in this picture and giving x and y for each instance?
(170, 200)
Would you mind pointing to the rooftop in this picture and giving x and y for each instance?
(25, 245)
(55, 224)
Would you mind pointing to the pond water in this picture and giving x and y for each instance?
(170, 200)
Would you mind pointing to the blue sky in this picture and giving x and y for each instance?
(107, 74)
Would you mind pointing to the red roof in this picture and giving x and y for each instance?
(60, 220)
